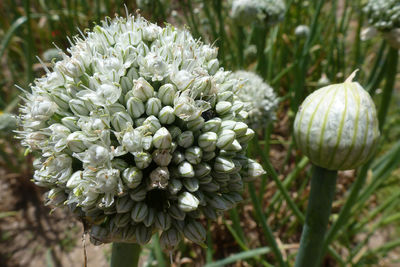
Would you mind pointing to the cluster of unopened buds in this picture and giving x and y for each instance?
(138, 130)
(261, 12)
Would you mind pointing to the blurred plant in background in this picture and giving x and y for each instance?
(364, 225)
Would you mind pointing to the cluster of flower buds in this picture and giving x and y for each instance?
(138, 130)
(259, 98)
(384, 15)
(245, 12)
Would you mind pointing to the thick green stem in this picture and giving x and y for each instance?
(323, 184)
(125, 255)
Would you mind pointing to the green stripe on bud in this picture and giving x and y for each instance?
(135, 107)
(193, 155)
(162, 139)
(166, 115)
(187, 202)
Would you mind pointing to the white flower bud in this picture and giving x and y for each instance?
(132, 177)
(225, 138)
(142, 160)
(71, 123)
(153, 106)
(207, 156)
(187, 202)
(193, 155)
(166, 93)
(135, 107)
(152, 124)
(142, 89)
(174, 131)
(177, 157)
(247, 136)
(174, 186)
(185, 169)
(126, 84)
(224, 165)
(196, 124)
(208, 141)
(212, 125)
(120, 121)
(185, 139)
(223, 107)
(162, 139)
(344, 133)
(166, 115)
(78, 107)
(191, 184)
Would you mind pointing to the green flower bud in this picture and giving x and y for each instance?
(120, 121)
(143, 234)
(191, 184)
(223, 107)
(174, 131)
(337, 127)
(193, 155)
(138, 194)
(225, 138)
(209, 213)
(218, 203)
(207, 156)
(234, 147)
(185, 169)
(228, 125)
(224, 165)
(162, 157)
(174, 186)
(71, 123)
(116, 108)
(236, 186)
(187, 202)
(212, 125)
(225, 96)
(240, 129)
(122, 219)
(212, 186)
(139, 122)
(135, 107)
(208, 141)
(166, 93)
(202, 169)
(119, 164)
(237, 106)
(177, 157)
(176, 213)
(153, 106)
(132, 177)
(170, 239)
(185, 139)
(166, 115)
(162, 221)
(142, 160)
(205, 179)
(195, 232)
(247, 136)
(152, 124)
(142, 89)
(78, 107)
(124, 204)
(150, 218)
(126, 84)
(147, 142)
(196, 124)
(139, 212)
(162, 139)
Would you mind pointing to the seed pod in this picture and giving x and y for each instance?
(162, 139)
(187, 202)
(159, 178)
(135, 107)
(336, 126)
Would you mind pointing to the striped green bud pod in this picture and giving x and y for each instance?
(166, 115)
(153, 106)
(212, 125)
(124, 204)
(71, 123)
(174, 186)
(196, 124)
(143, 234)
(185, 139)
(229, 201)
(252, 170)
(121, 120)
(139, 212)
(205, 179)
(237, 106)
(224, 165)
(243, 115)
(176, 213)
(209, 213)
(225, 138)
(135, 107)
(207, 156)
(220, 176)
(191, 184)
(150, 218)
(185, 169)
(147, 142)
(208, 141)
(247, 136)
(166, 93)
(187, 202)
(116, 108)
(236, 186)
(234, 147)
(132, 177)
(193, 155)
(128, 233)
(142, 160)
(138, 194)
(195, 232)
(225, 96)
(202, 169)
(337, 127)
(159, 178)
(78, 107)
(235, 177)
(56, 196)
(212, 186)
(200, 196)
(218, 203)
(100, 234)
(162, 157)
(152, 124)
(177, 157)
(174, 131)
(223, 107)
(196, 214)
(139, 122)
(126, 84)
(240, 129)
(170, 239)
(162, 139)
(142, 89)
(237, 197)
(122, 219)
(162, 221)
(228, 125)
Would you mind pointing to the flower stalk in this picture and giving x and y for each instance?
(323, 184)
